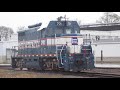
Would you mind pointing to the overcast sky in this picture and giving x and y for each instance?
(17, 19)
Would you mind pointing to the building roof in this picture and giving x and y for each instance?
(101, 27)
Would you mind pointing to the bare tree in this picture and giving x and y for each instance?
(5, 32)
(109, 17)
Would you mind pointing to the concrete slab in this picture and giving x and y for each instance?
(5, 64)
(107, 65)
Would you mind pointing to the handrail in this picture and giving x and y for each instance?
(61, 55)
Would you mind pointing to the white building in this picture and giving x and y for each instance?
(109, 43)
(6, 46)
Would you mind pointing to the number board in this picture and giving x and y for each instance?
(59, 23)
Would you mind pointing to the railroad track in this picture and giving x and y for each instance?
(96, 75)
(83, 73)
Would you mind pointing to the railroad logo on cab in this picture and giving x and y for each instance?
(74, 41)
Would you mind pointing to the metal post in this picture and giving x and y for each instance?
(101, 56)
(89, 36)
(86, 38)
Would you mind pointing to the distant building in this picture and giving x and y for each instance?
(6, 46)
(106, 41)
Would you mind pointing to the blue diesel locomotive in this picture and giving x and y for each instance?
(59, 46)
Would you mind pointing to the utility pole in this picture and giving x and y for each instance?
(101, 56)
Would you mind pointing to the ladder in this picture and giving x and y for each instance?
(59, 53)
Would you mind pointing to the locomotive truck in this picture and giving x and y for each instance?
(59, 46)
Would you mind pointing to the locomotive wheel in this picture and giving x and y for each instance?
(61, 69)
(29, 69)
(21, 68)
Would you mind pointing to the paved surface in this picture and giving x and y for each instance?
(108, 65)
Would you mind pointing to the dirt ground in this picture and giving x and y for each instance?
(9, 73)
(26, 74)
